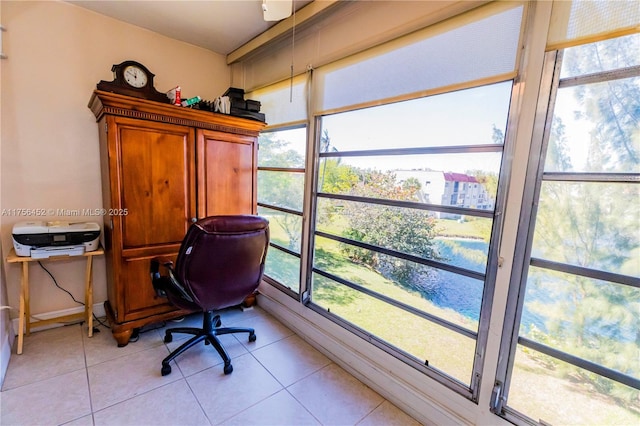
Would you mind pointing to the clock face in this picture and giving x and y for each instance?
(135, 77)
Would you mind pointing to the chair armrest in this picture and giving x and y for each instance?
(166, 284)
(160, 260)
(158, 281)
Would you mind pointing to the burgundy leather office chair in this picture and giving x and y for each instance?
(220, 263)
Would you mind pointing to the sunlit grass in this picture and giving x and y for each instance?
(542, 391)
(444, 349)
(450, 352)
(470, 228)
(421, 338)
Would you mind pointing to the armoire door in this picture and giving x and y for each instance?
(226, 173)
(153, 202)
(156, 181)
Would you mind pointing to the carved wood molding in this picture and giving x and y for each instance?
(115, 104)
(176, 120)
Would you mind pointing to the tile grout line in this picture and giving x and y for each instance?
(86, 371)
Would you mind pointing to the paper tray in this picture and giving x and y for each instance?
(45, 252)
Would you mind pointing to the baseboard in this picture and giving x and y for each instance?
(98, 311)
(388, 376)
(5, 355)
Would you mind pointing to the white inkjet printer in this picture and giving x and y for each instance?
(41, 240)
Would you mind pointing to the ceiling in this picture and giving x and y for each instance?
(217, 25)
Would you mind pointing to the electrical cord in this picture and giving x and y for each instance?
(57, 285)
(55, 282)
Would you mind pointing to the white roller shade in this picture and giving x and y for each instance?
(283, 103)
(578, 22)
(475, 47)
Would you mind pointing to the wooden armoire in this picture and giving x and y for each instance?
(163, 167)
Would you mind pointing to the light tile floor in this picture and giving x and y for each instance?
(64, 377)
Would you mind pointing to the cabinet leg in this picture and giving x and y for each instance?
(122, 337)
(249, 301)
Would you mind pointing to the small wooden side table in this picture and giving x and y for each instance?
(25, 311)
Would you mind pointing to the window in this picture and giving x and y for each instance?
(406, 270)
(574, 336)
(281, 177)
(411, 269)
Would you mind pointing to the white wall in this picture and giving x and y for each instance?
(6, 333)
(57, 53)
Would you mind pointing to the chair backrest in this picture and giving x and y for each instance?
(221, 259)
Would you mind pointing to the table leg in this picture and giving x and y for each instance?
(24, 305)
(27, 299)
(88, 295)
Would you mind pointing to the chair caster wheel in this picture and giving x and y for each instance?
(217, 322)
(252, 337)
(228, 369)
(166, 369)
(168, 338)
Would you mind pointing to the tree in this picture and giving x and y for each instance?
(333, 178)
(282, 189)
(488, 179)
(615, 105)
(593, 225)
(405, 230)
(497, 135)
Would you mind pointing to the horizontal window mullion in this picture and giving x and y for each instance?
(279, 286)
(280, 209)
(518, 418)
(599, 77)
(462, 149)
(410, 205)
(400, 305)
(586, 272)
(281, 169)
(592, 177)
(421, 365)
(428, 262)
(582, 363)
(286, 250)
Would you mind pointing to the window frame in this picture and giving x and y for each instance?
(471, 391)
(523, 259)
(303, 237)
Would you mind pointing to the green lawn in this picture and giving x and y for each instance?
(537, 391)
(542, 393)
(421, 338)
(473, 228)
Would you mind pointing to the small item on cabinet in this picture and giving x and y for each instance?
(174, 95)
(253, 106)
(222, 105)
(251, 112)
(204, 105)
(191, 101)
(241, 107)
(236, 98)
